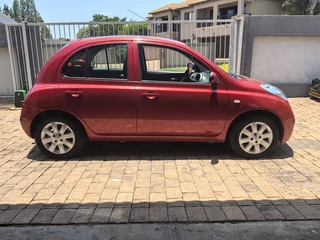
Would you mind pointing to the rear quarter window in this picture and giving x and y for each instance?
(76, 65)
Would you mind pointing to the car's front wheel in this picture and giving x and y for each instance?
(254, 136)
(59, 138)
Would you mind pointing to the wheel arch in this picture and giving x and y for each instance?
(267, 113)
(51, 113)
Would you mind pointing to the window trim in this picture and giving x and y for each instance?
(143, 65)
(178, 82)
(106, 52)
(86, 57)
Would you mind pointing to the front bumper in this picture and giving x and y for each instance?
(288, 121)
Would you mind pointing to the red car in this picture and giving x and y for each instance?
(134, 88)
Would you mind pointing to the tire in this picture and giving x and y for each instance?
(262, 143)
(67, 145)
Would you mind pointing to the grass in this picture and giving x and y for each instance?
(224, 66)
(174, 69)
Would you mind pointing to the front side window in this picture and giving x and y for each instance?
(103, 61)
(169, 65)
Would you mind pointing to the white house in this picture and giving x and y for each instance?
(6, 84)
(207, 10)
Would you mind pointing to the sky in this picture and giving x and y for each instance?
(83, 10)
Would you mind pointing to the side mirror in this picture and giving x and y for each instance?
(214, 79)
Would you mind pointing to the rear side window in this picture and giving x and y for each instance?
(76, 65)
(108, 61)
(103, 62)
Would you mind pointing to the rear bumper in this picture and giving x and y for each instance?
(288, 122)
(27, 115)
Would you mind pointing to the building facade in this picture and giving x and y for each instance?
(206, 10)
(6, 85)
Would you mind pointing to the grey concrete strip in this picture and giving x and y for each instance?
(260, 231)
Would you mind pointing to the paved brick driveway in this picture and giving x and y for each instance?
(160, 182)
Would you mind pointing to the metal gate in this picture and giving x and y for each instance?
(31, 45)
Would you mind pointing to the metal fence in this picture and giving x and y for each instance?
(31, 45)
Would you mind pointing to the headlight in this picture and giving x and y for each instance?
(274, 90)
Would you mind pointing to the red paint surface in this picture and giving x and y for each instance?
(149, 110)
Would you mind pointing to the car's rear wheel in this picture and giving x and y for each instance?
(254, 137)
(59, 138)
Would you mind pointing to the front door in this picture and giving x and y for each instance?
(174, 99)
(96, 84)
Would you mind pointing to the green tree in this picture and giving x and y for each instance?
(25, 10)
(135, 29)
(118, 27)
(15, 12)
(105, 18)
(301, 7)
(6, 10)
(93, 30)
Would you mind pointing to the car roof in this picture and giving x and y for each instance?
(126, 38)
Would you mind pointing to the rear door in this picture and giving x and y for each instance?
(97, 84)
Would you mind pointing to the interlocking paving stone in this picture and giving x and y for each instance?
(158, 214)
(167, 181)
(7, 215)
(215, 214)
(196, 214)
(290, 212)
(271, 213)
(307, 211)
(101, 215)
(120, 215)
(139, 215)
(63, 216)
(233, 213)
(177, 214)
(82, 215)
(44, 216)
(252, 213)
(25, 216)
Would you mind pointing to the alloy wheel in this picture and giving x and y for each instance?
(58, 137)
(255, 138)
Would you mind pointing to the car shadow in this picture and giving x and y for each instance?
(108, 151)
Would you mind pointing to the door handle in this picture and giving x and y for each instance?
(150, 96)
(74, 94)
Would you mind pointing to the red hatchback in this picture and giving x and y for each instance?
(133, 88)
